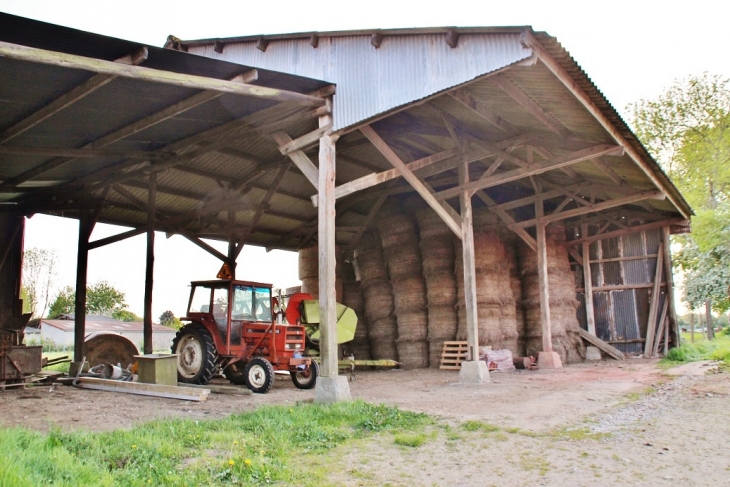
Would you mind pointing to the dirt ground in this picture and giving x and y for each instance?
(632, 423)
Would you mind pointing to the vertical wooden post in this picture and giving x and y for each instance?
(232, 254)
(674, 321)
(327, 263)
(708, 319)
(542, 276)
(654, 304)
(468, 255)
(150, 266)
(82, 264)
(588, 281)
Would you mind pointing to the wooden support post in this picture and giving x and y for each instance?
(86, 225)
(468, 254)
(588, 282)
(150, 266)
(232, 250)
(654, 304)
(327, 294)
(673, 320)
(542, 275)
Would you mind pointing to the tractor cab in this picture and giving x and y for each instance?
(240, 327)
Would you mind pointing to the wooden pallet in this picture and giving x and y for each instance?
(453, 354)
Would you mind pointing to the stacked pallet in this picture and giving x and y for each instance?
(399, 239)
(378, 295)
(438, 257)
(563, 303)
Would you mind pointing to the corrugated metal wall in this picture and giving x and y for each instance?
(371, 81)
(621, 311)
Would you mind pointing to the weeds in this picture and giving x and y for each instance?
(412, 440)
(717, 349)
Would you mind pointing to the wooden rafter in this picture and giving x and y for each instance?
(634, 229)
(481, 109)
(264, 205)
(302, 161)
(507, 219)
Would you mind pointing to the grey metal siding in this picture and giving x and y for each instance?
(372, 81)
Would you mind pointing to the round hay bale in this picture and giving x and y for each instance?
(378, 300)
(395, 240)
(483, 218)
(412, 325)
(310, 285)
(383, 349)
(403, 262)
(409, 295)
(435, 350)
(431, 225)
(308, 262)
(352, 296)
(412, 354)
(441, 291)
(383, 329)
(109, 348)
(370, 265)
(393, 225)
(442, 322)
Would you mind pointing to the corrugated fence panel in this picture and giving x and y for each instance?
(625, 320)
(635, 271)
(411, 67)
(611, 270)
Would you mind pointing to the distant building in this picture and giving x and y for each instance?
(61, 330)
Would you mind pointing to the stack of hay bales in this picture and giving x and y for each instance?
(563, 304)
(309, 271)
(352, 297)
(496, 308)
(437, 252)
(378, 294)
(399, 239)
(515, 284)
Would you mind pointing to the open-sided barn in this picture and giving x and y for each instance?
(475, 182)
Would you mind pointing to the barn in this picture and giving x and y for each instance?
(472, 183)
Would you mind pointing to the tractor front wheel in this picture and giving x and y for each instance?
(235, 373)
(196, 354)
(307, 378)
(259, 375)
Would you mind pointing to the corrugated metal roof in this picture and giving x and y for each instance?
(106, 325)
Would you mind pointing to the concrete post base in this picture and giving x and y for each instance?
(549, 360)
(593, 354)
(332, 389)
(474, 372)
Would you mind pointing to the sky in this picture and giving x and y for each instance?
(632, 50)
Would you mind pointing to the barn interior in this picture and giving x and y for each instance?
(512, 209)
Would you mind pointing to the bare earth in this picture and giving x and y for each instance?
(626, 422)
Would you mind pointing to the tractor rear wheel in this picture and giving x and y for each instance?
(235, 373)
(307, 378)
(196, 354)
(259, 375)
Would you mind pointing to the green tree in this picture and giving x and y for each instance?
(64, 303)
(687, 129)
(125, 315)
(39, 271)
(169, 319)
(101, 299)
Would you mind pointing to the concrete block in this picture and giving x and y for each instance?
(474, 372)
(593, 353)
(332, 389)
(549, 360)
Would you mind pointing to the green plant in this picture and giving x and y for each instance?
(412, 440)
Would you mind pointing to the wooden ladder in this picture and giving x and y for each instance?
(453, 354)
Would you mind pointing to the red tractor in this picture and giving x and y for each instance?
(239, 326)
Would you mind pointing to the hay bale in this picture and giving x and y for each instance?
(352, 296)
(410, 295)
(383, 328)
(442, 291)
(403, 262)
(308, 262)
(435, 350)
(442, 322)
(412, 325)
(378, 300)
(397, 230)
(383, 349)
(310, 285)
(370, 265)
(413, 354)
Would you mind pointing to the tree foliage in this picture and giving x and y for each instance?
(687, 129)
(169, 319)
(39, 271)
(101, 299)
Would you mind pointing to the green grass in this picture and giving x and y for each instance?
(273, 444)
(58, 367)
(479, 426)
(717, 349)
(412, 440)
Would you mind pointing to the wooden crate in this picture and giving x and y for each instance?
(453, 354)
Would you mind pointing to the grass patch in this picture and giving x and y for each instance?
(717, 349)
(273, 444)
(472, 425)
(412, 440)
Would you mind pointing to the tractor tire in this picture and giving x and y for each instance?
(235, 373)
(306, 379)
(259, 375)
(196, 354)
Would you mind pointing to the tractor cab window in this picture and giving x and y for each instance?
(200, 301)
(262, 303)
(242, 303)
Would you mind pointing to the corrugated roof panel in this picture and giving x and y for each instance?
(411, 67)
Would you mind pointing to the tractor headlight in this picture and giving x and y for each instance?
(293, 346)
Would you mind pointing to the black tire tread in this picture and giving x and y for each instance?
(211, 355)
(269, 370)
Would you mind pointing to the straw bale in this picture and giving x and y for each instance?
(396, 230)
(442, 322)
(371, 266)
(352, 296)
(308, 262)
(383, 349)
(412, 354)
(310, 285)
(435, 349)
(409, 294)
(378, 300)
(383, 328)
(403, 262)
(430, 224)
(441, 291)
(412, 325)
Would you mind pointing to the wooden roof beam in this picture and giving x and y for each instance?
(71, 61)
(481, 109)
(630, 230)
(302, 161)
(537, 168)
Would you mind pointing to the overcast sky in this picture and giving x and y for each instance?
(631, 50)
